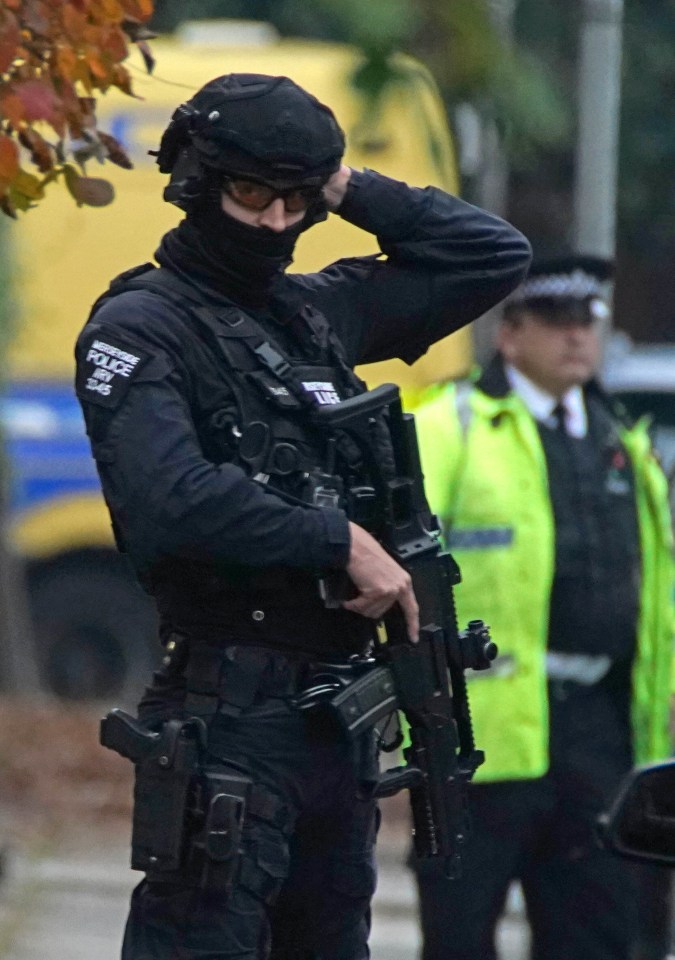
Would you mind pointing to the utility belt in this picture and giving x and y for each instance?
(189, 816)
(358, 691)
(229, 679)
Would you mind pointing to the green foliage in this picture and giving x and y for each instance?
(527, 83)
(530, 111)
(473, 62)
(646, 202)
(385, 28)
(460, 42)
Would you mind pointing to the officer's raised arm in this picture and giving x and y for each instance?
(445, 263)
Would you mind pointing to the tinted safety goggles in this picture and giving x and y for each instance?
(258, 196)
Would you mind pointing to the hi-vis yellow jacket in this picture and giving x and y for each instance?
(486, 479)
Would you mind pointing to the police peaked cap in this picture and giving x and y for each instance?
(249, 124)
(564, 279)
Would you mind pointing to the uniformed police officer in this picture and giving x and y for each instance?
(557, 513)
(198, 381)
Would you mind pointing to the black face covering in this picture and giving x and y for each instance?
(236, 259)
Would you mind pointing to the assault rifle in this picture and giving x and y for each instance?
(426, 680)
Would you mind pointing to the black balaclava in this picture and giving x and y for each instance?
(248, 125)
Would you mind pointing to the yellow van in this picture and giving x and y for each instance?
(94, 627)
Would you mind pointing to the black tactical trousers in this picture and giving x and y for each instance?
(582, 902)
(306, 877)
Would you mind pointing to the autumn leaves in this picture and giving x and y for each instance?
(55, 55)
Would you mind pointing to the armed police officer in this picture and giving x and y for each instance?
(199, 380)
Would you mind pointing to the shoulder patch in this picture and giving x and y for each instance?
(106, 369)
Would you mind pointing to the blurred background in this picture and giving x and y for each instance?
(559, 116)
(510, 73)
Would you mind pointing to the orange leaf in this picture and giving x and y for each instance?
(10, 37)
(96, 64)
(121, 79)
(9, 159)
(11, 107)
(139, 9)
(65, 62)
(74, 22)
(92, 35)
(110, 10)
(83, 74)
(13, 4)
(114, 44)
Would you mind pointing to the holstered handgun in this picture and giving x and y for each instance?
(166, 765)
(188, 819)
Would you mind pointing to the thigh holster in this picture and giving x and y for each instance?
(187, 820)
(166, 763)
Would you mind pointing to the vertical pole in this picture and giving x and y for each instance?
(494, 180)
(598, 136)
(494, 177)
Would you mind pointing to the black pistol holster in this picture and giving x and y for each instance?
(187, 819)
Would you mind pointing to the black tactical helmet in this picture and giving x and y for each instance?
(249, 125)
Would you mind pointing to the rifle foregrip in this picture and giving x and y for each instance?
(399, 778)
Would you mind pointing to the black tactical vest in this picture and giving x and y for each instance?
(254, 408)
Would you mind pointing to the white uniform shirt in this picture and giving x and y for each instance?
(541, 404)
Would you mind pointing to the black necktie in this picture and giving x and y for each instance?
(560, 414)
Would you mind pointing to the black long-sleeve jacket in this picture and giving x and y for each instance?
(446, 262)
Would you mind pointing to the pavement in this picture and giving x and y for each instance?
(70, 903)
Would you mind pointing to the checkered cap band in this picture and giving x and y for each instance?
(577, 285)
